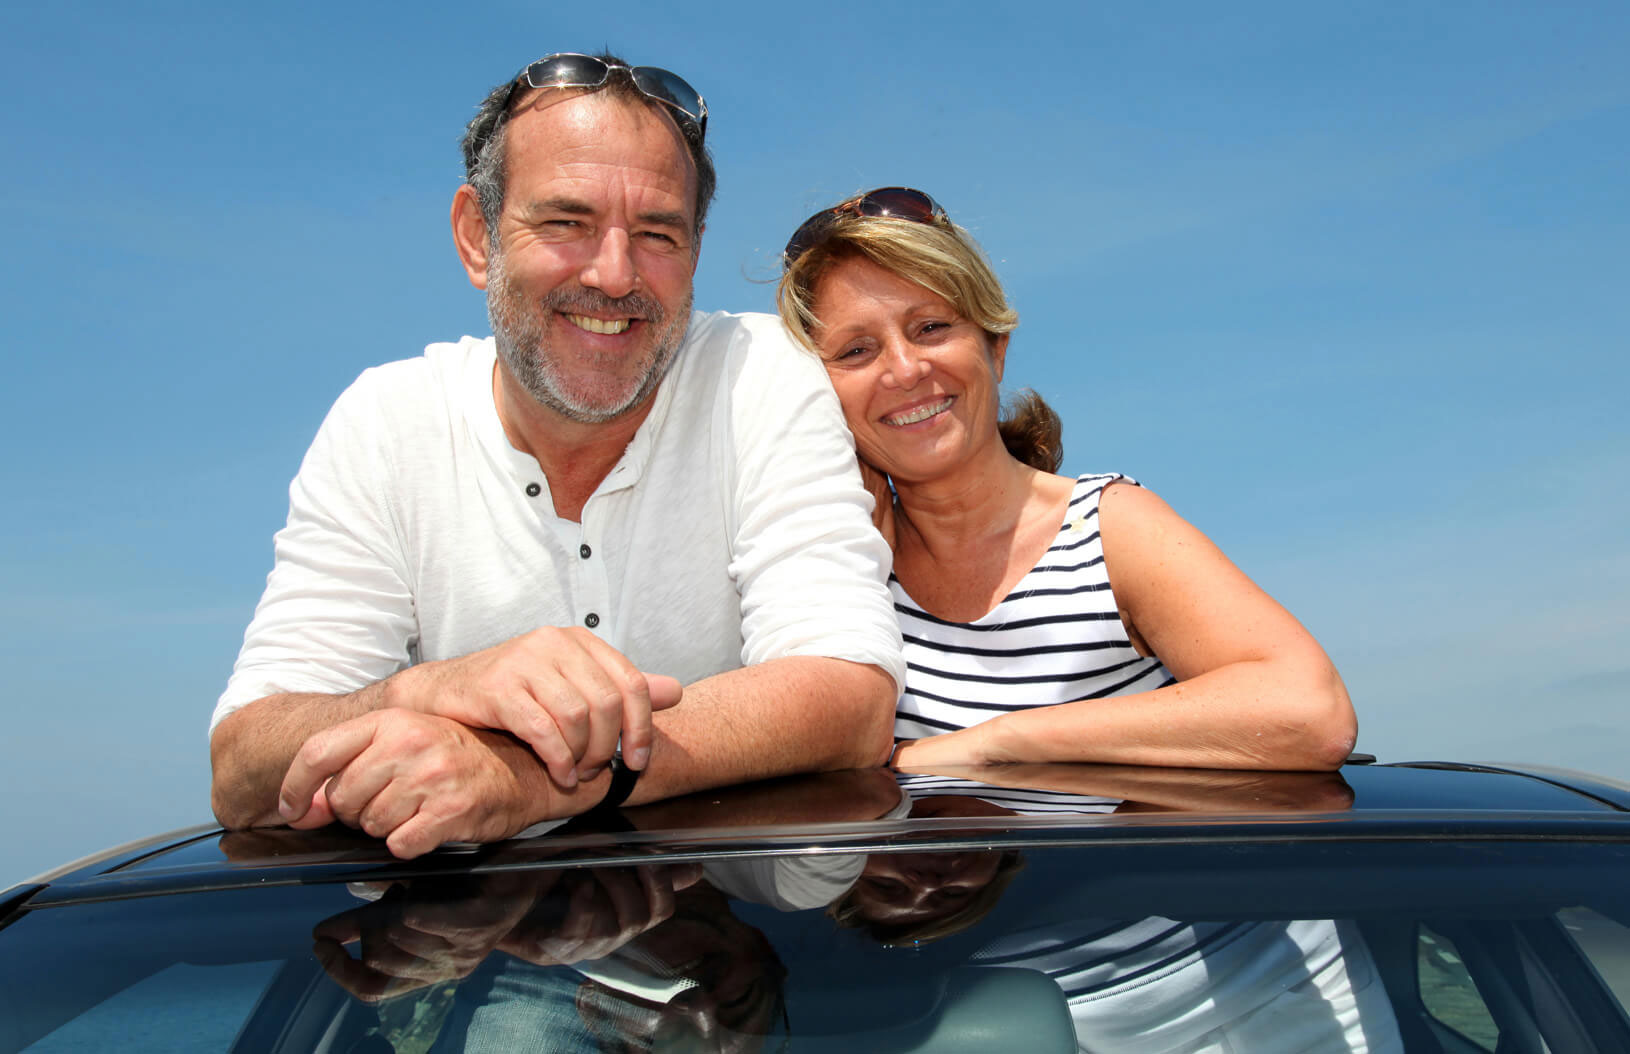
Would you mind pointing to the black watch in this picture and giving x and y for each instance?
(623, 779)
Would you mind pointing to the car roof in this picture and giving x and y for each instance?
(1415, 800)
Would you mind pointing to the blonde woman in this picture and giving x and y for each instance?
(1046, 618)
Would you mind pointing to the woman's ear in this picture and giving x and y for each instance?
(998, 353)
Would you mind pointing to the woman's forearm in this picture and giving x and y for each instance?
(1259, 714)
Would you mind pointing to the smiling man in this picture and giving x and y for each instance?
(614, 522)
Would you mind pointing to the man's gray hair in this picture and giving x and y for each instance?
(484, 140)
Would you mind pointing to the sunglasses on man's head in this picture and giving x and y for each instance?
(570, 70)
(898, 203)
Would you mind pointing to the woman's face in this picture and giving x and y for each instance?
(918, 383)
(912, 888)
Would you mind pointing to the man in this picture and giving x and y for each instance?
(505, 555)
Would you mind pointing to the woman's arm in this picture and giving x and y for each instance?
(1255, 689)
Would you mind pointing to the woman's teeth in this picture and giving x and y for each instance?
(921, 413)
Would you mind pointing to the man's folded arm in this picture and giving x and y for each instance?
(801, 713)
(419, 780)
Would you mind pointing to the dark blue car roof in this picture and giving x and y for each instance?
(1421, 800)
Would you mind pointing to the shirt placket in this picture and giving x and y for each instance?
(591, 584)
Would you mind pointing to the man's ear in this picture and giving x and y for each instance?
(470, 235)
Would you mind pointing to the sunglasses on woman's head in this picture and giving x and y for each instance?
(898, 203)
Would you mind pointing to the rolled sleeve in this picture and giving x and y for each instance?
(811, 569)
(338, 611)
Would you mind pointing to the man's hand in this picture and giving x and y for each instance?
(565, 692)
(595, 911)
(421, 935)
(417, 781)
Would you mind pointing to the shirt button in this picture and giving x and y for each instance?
(533, 490)
(584, 551)
(591, 620)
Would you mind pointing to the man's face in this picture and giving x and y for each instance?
(589, 275)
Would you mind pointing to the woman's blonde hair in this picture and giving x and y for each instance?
(944, 259)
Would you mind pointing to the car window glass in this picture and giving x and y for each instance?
(1606, 944)
(1448, 993)
(182, 1008)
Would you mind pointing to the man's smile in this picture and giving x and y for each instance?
(608, 326)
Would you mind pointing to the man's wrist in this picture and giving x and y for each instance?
(621, 783)
(399, 690)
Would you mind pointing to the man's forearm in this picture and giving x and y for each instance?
(251, 749)
(796, 714)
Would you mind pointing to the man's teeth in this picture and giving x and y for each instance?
(921, 413)
(599, 325)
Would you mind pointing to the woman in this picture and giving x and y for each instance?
(1046, 618)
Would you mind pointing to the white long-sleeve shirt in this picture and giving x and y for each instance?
(734, 529)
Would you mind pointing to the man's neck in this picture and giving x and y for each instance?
(575, 456)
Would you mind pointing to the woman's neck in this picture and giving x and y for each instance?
(948, 515)
(962, 542)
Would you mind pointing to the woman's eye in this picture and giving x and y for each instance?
(851, 355)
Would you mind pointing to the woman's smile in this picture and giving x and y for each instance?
(919, 413)
(918, 382)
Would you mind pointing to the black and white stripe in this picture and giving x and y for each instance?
(1057, 637)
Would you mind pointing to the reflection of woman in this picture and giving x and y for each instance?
(1142, 985)
(914, 898)
(1027, 598)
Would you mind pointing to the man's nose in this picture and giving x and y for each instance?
(611, 267)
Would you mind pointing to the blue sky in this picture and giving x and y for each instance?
(1344, 283)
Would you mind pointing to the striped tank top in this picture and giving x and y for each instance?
(1057, 637)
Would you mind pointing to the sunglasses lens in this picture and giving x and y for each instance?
(901, 203)
(670, 88)
(567, 71)
(807, 234)
(896, 203)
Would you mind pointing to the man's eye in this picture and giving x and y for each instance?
(659, 238)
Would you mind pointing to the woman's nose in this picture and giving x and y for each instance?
(903, 366)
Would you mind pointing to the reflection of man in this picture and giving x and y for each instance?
(629, 955)
(505, 555)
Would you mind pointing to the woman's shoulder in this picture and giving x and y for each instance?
(1088, 491)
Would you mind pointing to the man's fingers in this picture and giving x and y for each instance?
(660, 692)
(684, 876)
(323, 755)
(622, 710)
(344, 927)
(320, 814)
(416, 836)
(657, 883)
(541, 734)
(367, 984)
(664, 690)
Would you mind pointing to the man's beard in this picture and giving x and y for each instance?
(518, 329)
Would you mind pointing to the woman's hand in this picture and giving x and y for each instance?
(965, 747)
